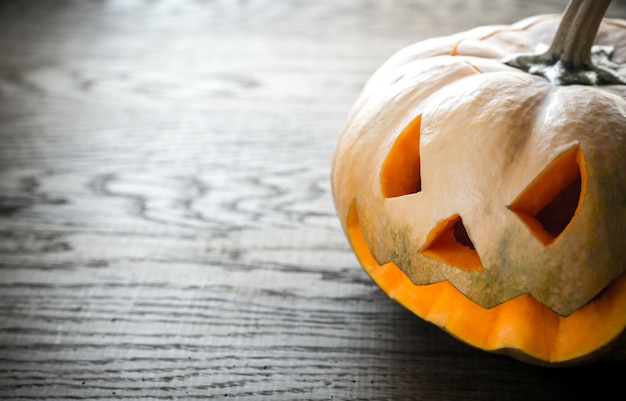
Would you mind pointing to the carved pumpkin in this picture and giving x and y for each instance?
(492, 201)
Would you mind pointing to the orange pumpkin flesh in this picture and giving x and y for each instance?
(487, 200)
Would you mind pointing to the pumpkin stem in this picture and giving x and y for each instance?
(572, 58)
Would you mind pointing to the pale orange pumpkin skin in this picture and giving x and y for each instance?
(473, 135)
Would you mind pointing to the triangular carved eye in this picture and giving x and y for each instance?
(450, 243)
(551, 201)
(400, 174)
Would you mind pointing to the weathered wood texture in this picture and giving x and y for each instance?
(166, 225)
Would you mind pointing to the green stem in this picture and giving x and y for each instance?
(571, 58)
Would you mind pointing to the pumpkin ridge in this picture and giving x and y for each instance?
(519, 27)
(615, 23)
(472, 66)
(515, 28)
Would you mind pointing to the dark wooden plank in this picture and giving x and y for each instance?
(166, 224)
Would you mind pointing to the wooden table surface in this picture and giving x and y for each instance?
(167, 230)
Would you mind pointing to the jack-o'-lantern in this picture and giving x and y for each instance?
(486, 190)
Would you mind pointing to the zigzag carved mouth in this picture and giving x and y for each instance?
(511, 325)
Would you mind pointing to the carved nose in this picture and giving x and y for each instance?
(450, 243)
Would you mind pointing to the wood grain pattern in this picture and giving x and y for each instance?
(166, 225)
